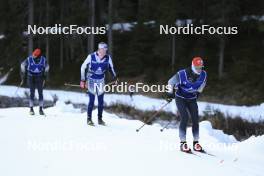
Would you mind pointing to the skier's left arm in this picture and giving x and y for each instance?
(46, 69)
(111, 69)
(201, 88)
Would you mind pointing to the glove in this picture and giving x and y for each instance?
(169, 97)
(83, 84)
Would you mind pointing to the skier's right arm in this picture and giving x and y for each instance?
(173, 83)
(84, 67)
(23, 69)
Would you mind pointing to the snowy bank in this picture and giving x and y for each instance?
(250, 113)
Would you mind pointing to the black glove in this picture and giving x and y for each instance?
(169, 97)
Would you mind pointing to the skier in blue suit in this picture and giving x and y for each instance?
(93, 72)
(188, 83)
(34, 69)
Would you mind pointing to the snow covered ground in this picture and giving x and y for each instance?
(62, 144)
(250, 113)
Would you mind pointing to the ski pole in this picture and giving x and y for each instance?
(18, 87)
(162, 129)
(154, 115)
(5, 76)
(165, 127)
(71, 85)
(77, 85)
(113, 82)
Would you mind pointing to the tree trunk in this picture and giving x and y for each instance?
(71, 49)
(30, 22)
(91, 23)
(222, 45)
(61, 37)
(173, 54)
(47, 36)
(39, 14)
(61, 53)
(110, 24)
(140, 12)
(221, 58)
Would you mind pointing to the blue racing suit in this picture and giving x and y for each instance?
(93, 71)
(188, 85)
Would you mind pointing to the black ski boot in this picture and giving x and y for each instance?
(100, 121)
(197, 147)
(184, 147)
(89, 121)
(41, 111)
(31, 111)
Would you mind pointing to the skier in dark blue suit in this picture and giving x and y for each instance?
(188, 83)
(34, 69)
(93, 72)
